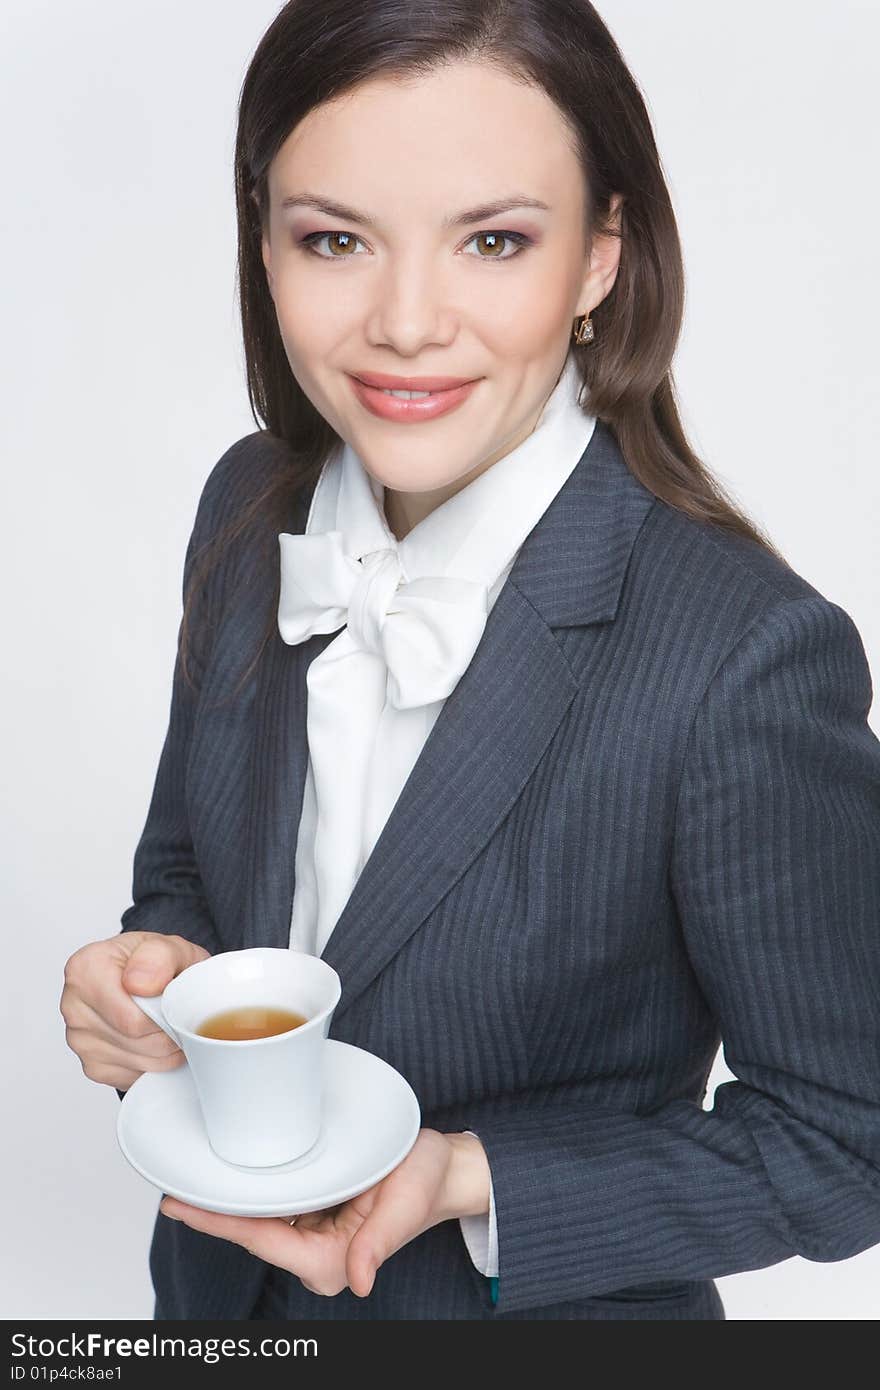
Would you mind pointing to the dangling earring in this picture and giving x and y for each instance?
(585, 333)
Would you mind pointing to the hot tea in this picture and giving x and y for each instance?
(248, 1022)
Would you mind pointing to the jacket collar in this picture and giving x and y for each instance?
(572, 566)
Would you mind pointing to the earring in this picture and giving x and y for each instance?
(584, 333)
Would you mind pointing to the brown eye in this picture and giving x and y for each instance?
(494, 243)
(492, 240)
(344, 241)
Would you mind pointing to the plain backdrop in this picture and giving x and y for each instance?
(123, 382)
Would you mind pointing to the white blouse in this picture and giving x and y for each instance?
(412, 613)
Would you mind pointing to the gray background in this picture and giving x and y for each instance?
(123, 382)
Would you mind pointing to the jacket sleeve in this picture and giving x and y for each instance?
(167, 892)
(775, 873)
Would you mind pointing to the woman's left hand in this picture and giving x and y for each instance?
(443, 1176)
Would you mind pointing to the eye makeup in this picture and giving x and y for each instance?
(518, 239)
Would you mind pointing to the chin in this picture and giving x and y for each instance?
(411, 481)
(410, 477)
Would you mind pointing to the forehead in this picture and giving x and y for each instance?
(430, 141)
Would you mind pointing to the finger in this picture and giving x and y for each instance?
(318, 1222)
(95, 1052)
(104, 1003)
(156, 960)
(120, 1077)
(270, 1239)
(81, 1018)
(396, 1218)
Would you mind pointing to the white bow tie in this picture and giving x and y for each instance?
(425, 630)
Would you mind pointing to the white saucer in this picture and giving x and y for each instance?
(371, 1121)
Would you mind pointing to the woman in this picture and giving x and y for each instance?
(596, 782)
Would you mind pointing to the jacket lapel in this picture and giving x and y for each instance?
(279, 758)
(484, 746)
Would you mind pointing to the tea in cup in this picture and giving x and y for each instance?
(253, 1026)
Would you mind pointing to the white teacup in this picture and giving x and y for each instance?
(261, 1098)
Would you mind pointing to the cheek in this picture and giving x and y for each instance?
(532, 312)
(313, 312)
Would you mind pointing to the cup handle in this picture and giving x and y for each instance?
(152, 1007)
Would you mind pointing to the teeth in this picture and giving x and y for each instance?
(406, 395)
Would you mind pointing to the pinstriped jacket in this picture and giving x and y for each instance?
(646, 822)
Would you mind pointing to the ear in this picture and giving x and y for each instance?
(604, 262)
(267, 262)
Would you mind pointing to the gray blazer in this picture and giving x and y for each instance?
(646, 821)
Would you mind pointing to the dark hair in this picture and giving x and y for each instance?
(314, 51)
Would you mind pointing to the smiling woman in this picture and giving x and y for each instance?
(428, 271)
(522, 191)
(487, 695)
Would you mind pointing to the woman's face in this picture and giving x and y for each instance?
(401, 284)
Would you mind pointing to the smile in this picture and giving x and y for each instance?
(410, 407)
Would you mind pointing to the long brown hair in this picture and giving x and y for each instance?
(314, 51)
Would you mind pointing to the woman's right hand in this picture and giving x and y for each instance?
(114, 1039)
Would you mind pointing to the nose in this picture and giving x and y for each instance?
(413, 306)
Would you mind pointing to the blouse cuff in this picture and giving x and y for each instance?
(481, 1234)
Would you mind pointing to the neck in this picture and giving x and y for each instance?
(404, 510)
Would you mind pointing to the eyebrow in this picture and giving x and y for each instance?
(458, 219)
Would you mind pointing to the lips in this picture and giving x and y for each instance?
(441, 400)
(411, 383)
